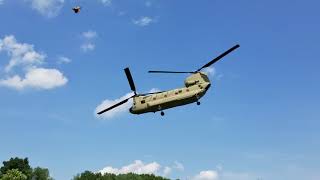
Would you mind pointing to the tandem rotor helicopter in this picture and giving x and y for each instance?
(196, 86)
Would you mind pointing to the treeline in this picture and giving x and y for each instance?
(87, 175)
(19, 169)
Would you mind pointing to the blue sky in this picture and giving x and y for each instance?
(260, 119)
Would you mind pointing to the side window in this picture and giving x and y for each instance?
(143, 101)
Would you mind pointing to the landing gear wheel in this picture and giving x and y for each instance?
(198, 103)
(162, 113)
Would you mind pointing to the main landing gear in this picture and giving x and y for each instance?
(160, 109)
(198, 102)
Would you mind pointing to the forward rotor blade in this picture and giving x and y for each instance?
(219, 57)
(172, 72)
(114, 106)
(129, 77)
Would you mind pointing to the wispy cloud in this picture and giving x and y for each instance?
(88, 47)
(23, 57)
(63, 60)
(1, 2)
(148, 3)
(89, 37)
(211, 71)
(179, 166)
(106, 2)
(89, 34)
(48, 8)
(21, 54)
(143, 21)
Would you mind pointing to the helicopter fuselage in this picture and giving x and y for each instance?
(196, 86)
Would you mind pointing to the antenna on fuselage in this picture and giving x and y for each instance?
(205, 66)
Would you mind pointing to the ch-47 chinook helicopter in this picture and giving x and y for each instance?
(196, 85)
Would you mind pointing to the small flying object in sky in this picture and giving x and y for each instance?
(196, 86)
(76, 9)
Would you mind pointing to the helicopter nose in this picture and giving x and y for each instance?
(130, 110)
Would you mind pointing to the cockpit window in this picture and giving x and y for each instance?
(205, 78)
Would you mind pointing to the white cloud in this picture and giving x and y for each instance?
(143, 21)
(24, 57)
(207, 175)
(20, 53)
(106, 2)
(89, 34)
(48, 8)
(166, 171)
(38, 78)
(88, 47)
(124, 108)
(63, 60)
(137, 167)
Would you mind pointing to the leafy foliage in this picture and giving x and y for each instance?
(13, 174)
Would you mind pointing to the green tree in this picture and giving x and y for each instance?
(41, 174)
(21, 165)
(14, 174)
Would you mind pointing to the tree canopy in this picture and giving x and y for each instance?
(19, 169)
(88, 175)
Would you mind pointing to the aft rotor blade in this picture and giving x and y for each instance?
(114, 106)
(129, 77)
(172, 72)
(219, 57)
